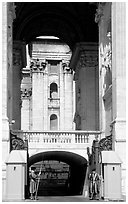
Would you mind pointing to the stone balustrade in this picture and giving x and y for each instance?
(71, 137)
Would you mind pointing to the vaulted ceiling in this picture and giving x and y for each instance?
(72, 22)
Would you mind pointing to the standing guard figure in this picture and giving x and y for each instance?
(33, 183)
(93, 185)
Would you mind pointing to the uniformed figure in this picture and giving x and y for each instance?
(94, 185)
(33, 183)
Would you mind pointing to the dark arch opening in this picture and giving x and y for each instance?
(77, 167)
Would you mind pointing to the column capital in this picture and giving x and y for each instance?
(38, 65)
(26, 93)
(66, 67)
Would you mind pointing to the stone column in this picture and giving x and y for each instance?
(8, 14)
(68, 81)
(19, 61)
(103, 18)
(45, 96)
(119, 83)
(37, 95)
(85, 64)
(61, 97)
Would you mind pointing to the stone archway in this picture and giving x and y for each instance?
(77, 165)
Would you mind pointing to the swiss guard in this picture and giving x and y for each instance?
(94, 185)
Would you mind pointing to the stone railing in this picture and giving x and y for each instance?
(73, 137)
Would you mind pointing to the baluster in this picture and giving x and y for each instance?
(75, 137)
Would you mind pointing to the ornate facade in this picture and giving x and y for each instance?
(35, 96)
(47, 87)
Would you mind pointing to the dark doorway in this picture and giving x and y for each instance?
(62, 173)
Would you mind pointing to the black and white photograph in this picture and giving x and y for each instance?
(63, 101)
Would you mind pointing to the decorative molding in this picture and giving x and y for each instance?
(38, 65)
(26, 93)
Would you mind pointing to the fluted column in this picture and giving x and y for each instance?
(68, 110)
(119, 82)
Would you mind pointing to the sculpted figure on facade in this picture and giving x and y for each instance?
(106, 55)
(99, 12)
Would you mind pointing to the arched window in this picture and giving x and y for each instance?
(53, 122)
(53, 90)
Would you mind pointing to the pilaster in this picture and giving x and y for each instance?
(62, 121)
(45, 99)
(119, 82)
(26, 108)
(85, 64)
(38, 91)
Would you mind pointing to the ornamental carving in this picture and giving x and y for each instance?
(37, 65)
(105, 143)
(17, 143)
(26, 93)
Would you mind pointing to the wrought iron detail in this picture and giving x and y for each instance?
(16, 143)
(105, 143)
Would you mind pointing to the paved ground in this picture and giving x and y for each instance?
(62, 199)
